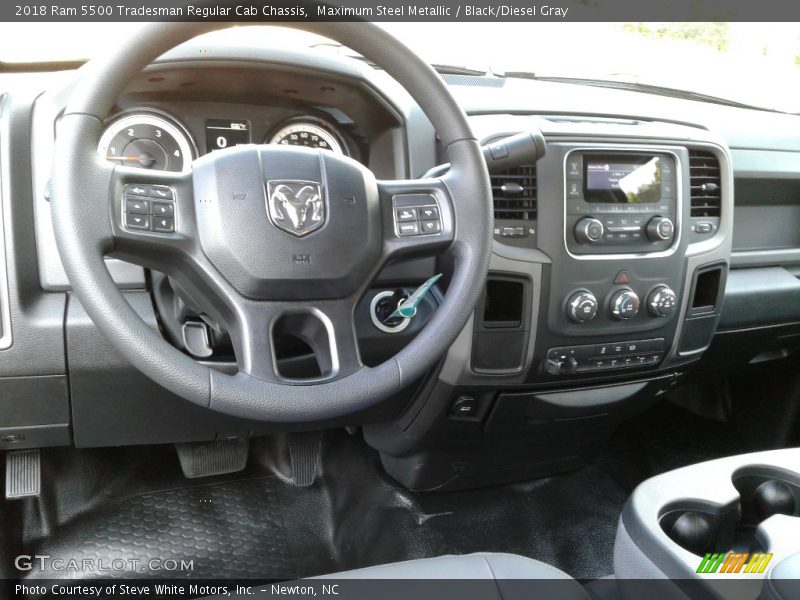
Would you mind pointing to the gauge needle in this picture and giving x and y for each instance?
(145, 159)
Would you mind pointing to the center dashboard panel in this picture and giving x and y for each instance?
(610, 256)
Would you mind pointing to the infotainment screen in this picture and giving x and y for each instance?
(627, 179)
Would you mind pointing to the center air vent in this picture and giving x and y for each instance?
(514, 193)
(704, 173)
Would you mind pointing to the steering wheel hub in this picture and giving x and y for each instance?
(287, 223)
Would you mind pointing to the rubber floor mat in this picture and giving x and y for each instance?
(225, 530)
(112, 503)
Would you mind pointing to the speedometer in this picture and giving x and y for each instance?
(147, 141)
(310, 135)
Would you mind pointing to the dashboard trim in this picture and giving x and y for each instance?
(6, 335)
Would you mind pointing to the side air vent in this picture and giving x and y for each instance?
(514, 193)
(704, 174)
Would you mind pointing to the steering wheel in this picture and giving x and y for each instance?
(270, 236)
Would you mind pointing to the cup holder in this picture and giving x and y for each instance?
(701, 527)
(766, 492)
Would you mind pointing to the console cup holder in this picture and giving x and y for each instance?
(701, 527)
(765, 492)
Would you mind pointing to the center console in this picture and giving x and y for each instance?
(610, 256)
(715, 528)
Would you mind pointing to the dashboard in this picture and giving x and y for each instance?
(640, 240)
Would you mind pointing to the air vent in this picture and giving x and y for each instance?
(706, 184)
(514, 193)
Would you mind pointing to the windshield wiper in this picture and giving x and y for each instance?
(644, 88)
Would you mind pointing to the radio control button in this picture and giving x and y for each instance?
(660, 229)
(575, 167)
(574, 189)
(589, 230)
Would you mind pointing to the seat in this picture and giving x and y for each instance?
(508, 575)
(783, 581)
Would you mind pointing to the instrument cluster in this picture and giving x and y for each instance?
(152, 139)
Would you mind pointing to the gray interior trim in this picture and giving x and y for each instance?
(51, 272)
(5, 206)
(765, 258)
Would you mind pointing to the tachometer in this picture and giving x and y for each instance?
(147, 141)
(304, 133)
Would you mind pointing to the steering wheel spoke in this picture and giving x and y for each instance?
(418, 216)
(295, 342)
(152, 217)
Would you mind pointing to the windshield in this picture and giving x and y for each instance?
(751, 63)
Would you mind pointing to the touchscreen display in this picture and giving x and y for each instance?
(627, 179)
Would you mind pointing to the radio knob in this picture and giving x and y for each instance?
(582, 307)
(660, 229)
(661, 302)
(624, 305)
(589, 230)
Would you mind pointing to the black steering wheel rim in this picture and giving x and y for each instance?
(81, 188)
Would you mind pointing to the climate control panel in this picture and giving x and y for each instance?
(623, 304)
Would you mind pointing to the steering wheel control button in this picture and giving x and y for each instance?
(661, 302)
(137, 221)
(589, 230)
(149, 208)
(430, 226)
(163, 224)
(429, 213)
(161, 191)
(137, 189)
(416, 214)
(138, 206)
(162, 209)
(407, 229)
(582, 307)
(624, 305)
(404, 215)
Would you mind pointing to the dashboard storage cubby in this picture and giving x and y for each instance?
(502, 325)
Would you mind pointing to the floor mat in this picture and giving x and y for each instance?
(225, 530)
(112, 504)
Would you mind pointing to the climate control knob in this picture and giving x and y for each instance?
(589, 230)
(661, 302)
(660, 229)
(624, 305)
(582, 307)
